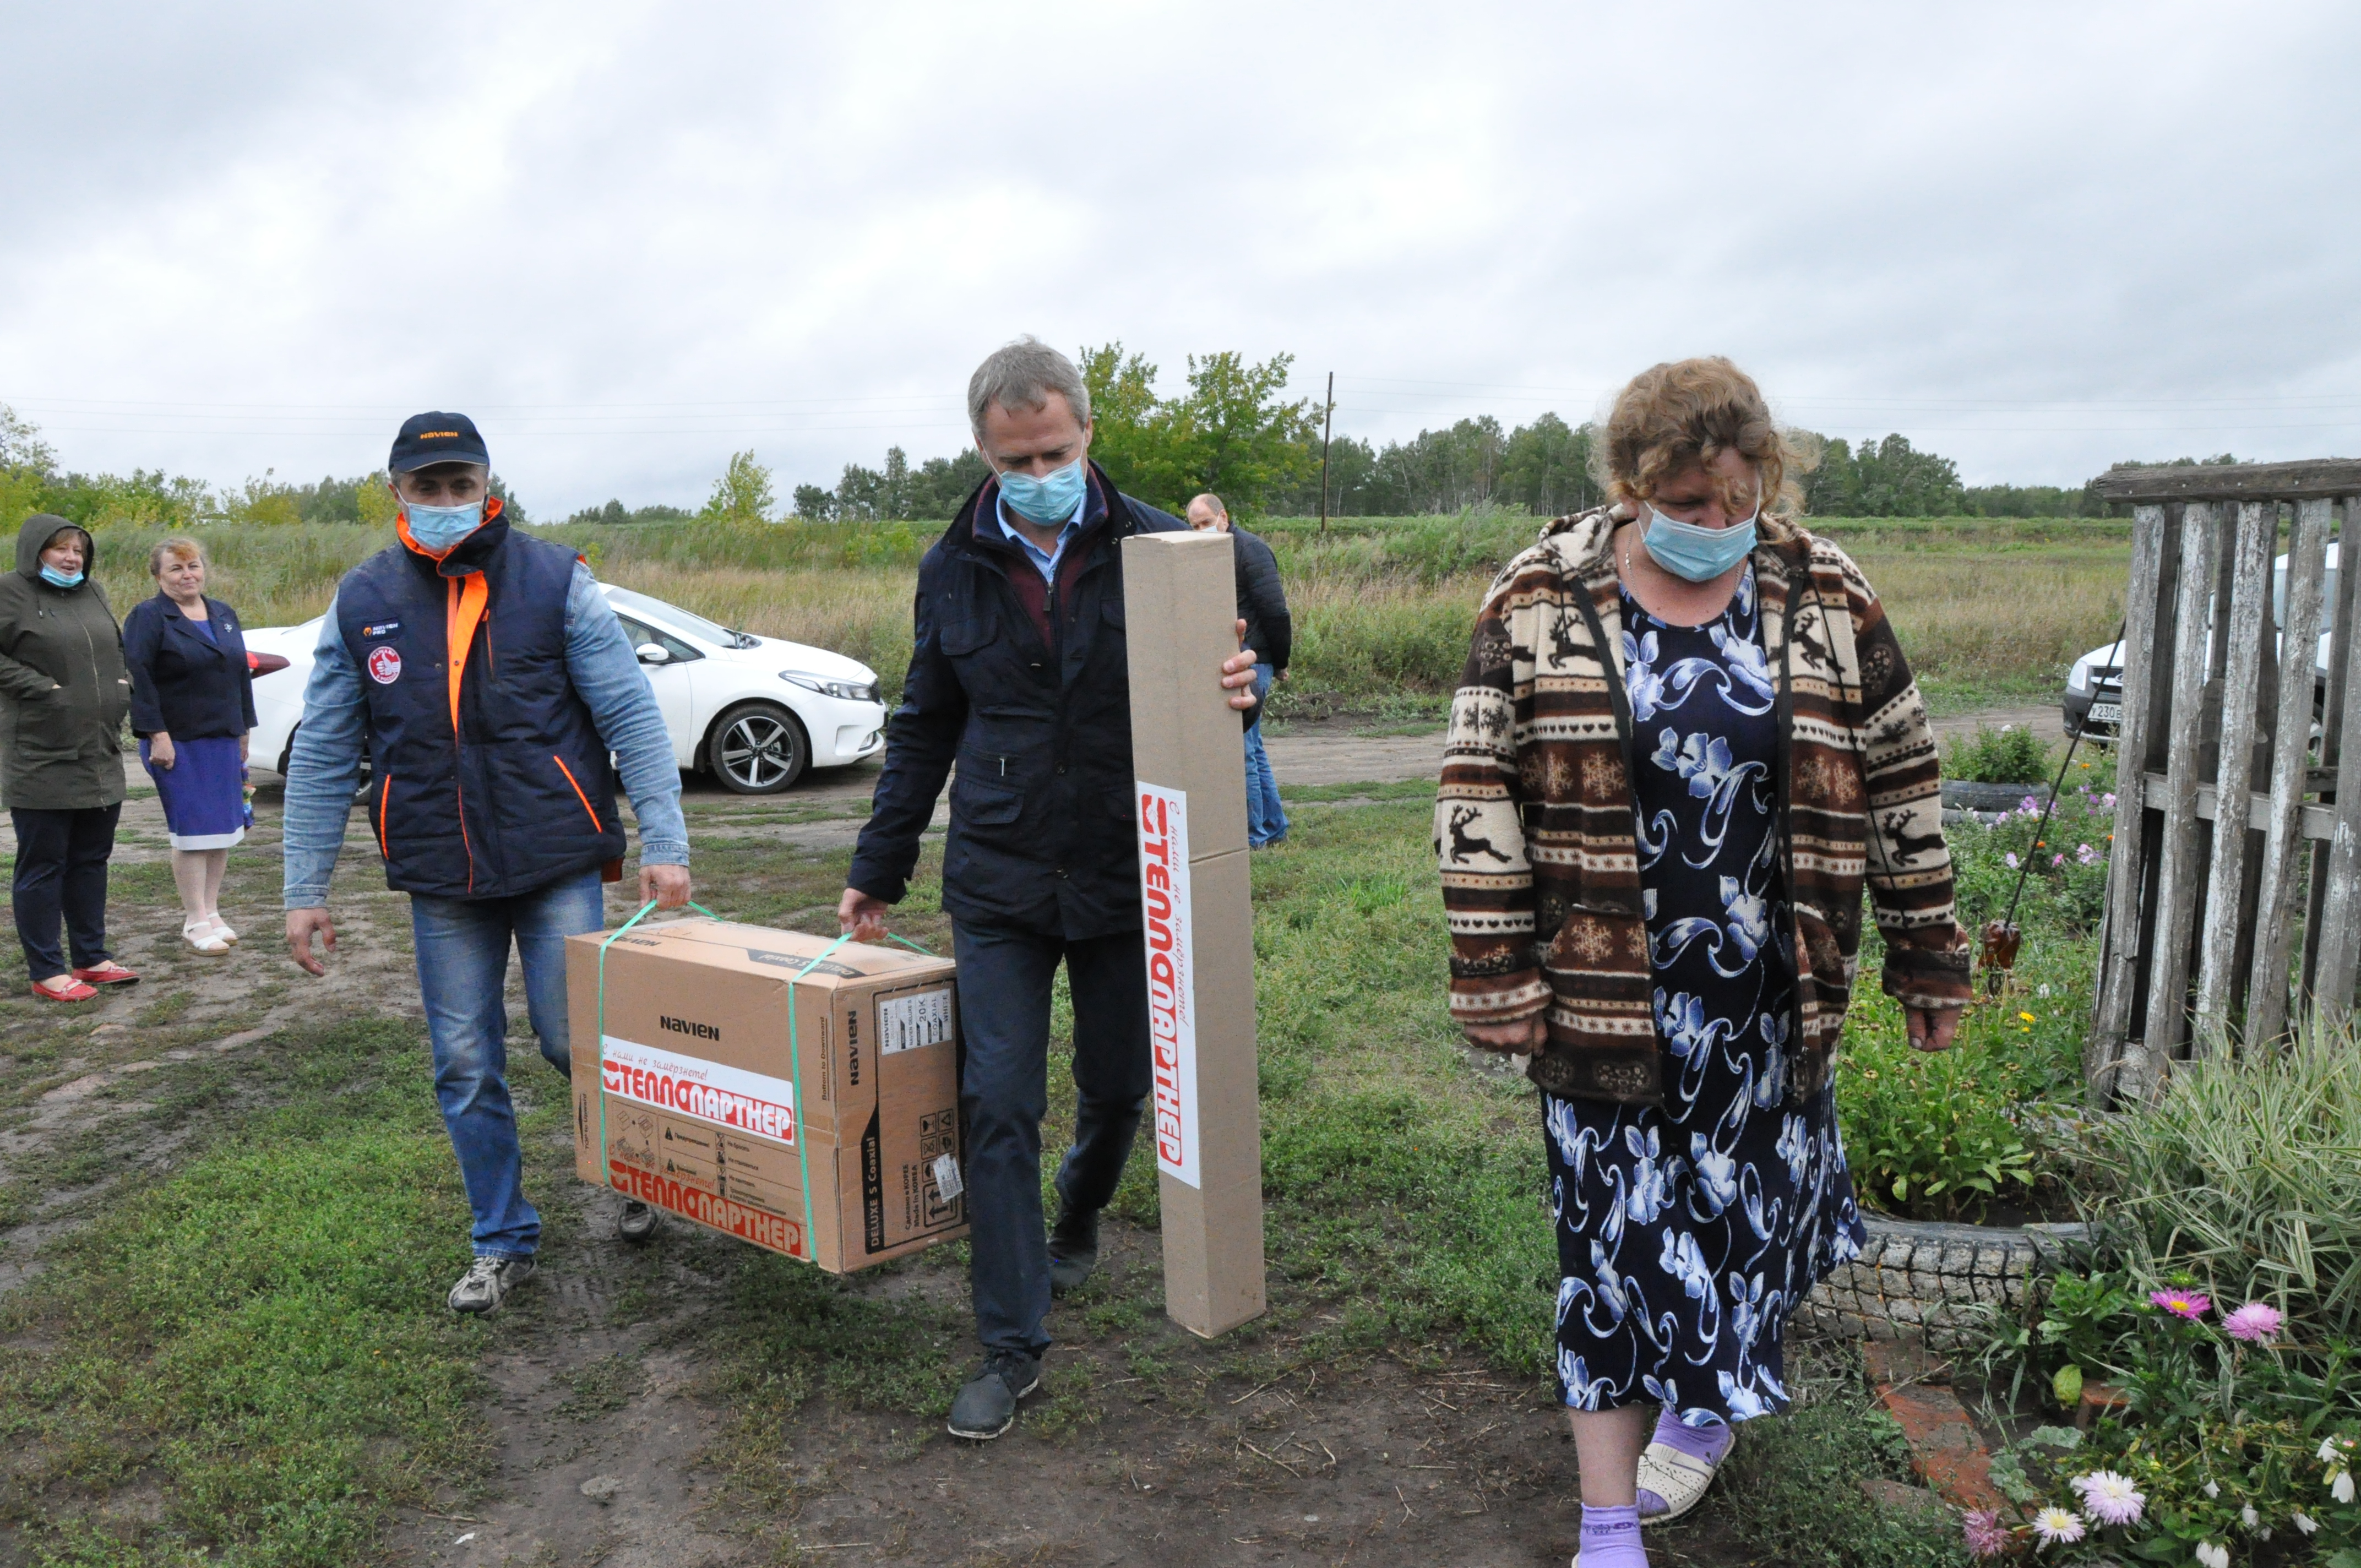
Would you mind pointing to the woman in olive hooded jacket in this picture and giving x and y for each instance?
(64, 695)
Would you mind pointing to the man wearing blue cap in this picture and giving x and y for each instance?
(492, 799)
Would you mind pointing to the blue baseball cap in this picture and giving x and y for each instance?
(430, 438)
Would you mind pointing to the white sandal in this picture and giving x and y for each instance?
(221, 929)
(1680, 1479)
(202, 938)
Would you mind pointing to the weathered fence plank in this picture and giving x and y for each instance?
(2283, 843)
(2179, 870)
(2120, 948)
(2330, 739)
(2256, 532)
(2339, 952)
(2317, 479)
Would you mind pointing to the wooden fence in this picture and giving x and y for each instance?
(2220, 704)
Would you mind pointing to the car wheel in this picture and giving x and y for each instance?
(363, 786)
(758, 748)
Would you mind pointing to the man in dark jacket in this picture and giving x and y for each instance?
(1019, 675)
(63, 693)
(1270, 633)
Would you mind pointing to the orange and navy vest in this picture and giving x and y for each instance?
(488, 778)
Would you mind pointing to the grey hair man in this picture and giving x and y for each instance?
(1019, 674)
(1270, 633)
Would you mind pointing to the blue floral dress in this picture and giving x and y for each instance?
(1686, 1234)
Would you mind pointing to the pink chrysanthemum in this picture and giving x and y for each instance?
(1985, 1536)
(2257, 1322)
(2187, 1304)
(2109, 1497)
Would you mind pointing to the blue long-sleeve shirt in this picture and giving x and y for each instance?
(325, 767)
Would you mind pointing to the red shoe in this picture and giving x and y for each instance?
(77, 992)
(108, 973)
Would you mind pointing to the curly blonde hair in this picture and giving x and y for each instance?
(1685, 413)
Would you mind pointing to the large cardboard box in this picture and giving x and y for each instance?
(699, 1104)
(1189, 760)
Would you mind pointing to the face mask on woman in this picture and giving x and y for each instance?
(1699, 555)
(1047, 500)
(56, 578)
(439, 528)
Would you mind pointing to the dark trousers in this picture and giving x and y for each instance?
(1003, 991)
(61, 872)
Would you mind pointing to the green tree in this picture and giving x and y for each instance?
(814, 503)
(1233, 436)
(1887, 478)
(743, 492)
(1131, 435)
(25, 463)
(1545, 469)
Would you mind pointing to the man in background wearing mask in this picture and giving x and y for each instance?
(492, 797)
(1270, 633)
(1019, 674)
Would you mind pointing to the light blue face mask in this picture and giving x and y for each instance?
(1046, 501)
(439, 528)
(57, 580)
(1699, 555)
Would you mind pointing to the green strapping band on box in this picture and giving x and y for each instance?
(794, 1055)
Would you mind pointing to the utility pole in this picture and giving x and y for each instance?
(1327, 428)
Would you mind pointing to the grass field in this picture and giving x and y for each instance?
(1989, 611)
(237, 1352)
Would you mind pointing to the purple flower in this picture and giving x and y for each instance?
(2056, 861)
(1985, 1536)
(2109, 1497)
(2031, 808)
(2009, 859)
(2257, 1322)
(2109, 799)
(2086, 855)
(2188, 1305)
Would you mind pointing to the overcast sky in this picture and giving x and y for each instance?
(631, 239)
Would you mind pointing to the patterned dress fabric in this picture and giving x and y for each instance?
(1686, 1233)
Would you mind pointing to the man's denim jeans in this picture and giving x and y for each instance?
(1266, 819)
(1004, 994)
(463, 968)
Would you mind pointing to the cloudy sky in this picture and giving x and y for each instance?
(631, 239)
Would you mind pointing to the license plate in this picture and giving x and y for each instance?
(2106, 713)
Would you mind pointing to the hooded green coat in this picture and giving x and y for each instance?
(63, 688)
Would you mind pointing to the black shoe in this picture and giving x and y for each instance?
(1073, 1248)
(639, 1221)
(987, 1405)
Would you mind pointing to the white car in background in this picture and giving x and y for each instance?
(2094, 686)
(755, 712)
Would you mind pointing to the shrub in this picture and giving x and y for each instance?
(2246, 1176)
(2005, 755)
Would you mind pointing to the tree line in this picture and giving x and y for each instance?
(1230, 430)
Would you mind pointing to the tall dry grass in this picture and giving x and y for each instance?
(1986, 608)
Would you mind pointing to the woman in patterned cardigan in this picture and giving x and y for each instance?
(1685, 744)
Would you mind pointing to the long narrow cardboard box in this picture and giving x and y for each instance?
(700, 1105)
(1189, 760)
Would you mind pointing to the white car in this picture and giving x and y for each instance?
(2094, 686)
(755, 712)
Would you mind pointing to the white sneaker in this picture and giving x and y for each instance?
(488, 1282)
(202, 938)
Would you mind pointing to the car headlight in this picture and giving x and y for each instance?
(849, 691)
(2078, 679)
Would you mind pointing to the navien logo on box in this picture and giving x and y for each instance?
(711, 1091)
(688, 1026)
(1171, 983)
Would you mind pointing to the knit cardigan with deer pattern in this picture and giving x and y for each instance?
(1535, 828)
